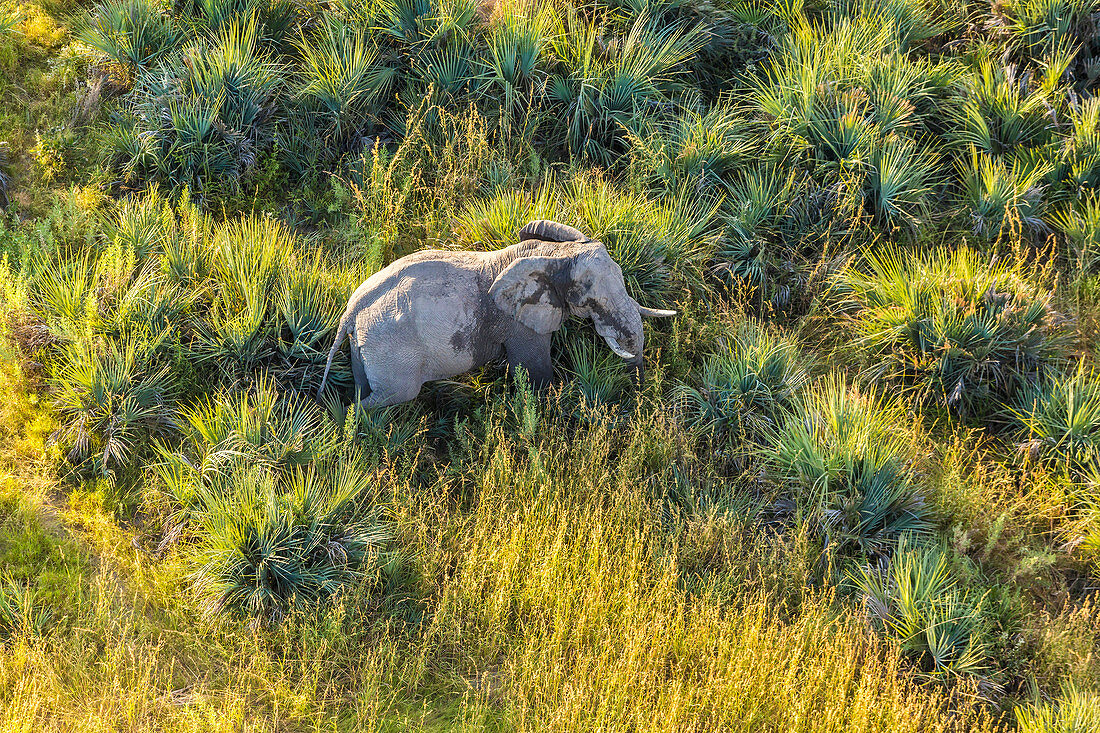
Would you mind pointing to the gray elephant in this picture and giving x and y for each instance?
(435, 314)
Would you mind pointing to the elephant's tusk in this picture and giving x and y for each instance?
(654, 312)
(619, 350)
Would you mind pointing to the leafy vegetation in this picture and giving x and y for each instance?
(856, 486)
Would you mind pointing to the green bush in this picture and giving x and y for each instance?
(845, 461)
(1060, 418)
(134, 33)
(747, 387)
(1075, 711)
(950, 328)
(267, 545)
(774, 217)
(110, 402)
(342, 83)
(915, 599)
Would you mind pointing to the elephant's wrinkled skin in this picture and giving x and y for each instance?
(436, 314)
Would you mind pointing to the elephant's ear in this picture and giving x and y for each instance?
(525, 291)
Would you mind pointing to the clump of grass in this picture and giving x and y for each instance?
(21, 613)
(914, 598)
(1061, 420)
(1075, 711)
(950, 328)
(111, 401)
(134, 33)
(267, 546)
(596, 375)
(205, 119)
(846, 463)
(748, 385)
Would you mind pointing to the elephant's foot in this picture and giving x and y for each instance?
(380, 397)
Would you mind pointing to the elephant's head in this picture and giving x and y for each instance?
(580, 278)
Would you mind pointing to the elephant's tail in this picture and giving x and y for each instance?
(341, 331)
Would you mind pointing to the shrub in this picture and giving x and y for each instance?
(110, 401)
(262, 425)
(1080, 223)
(915, 599)
(1002, 198)
(1061, 418)
(748, 385)
(233, 432)
(342, 81)
(950, 328)
(268, 546)
(239, 330)
(846, 463)
(134, 33)
(310, 302)
(595, 96)
(1075, 711)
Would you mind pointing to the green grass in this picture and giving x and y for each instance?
(855, 489)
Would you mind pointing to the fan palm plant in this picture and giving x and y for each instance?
(846, 462)
(1001, 197)
(342, 80)
(268, 546)
(601, 90)
(1061, 419)
(110, 401)
(274, 18)
(519, 46)
(693, 148)
(748, 386)
(1000, 112)
(950, 328)
(914, 598)
(134, 33)
(1041, 25)
(204, 118)
(1080, 223)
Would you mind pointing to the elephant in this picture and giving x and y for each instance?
(437, 313)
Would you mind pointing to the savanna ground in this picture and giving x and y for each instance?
(858, 488)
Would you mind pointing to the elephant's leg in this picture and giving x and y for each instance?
(531, 351)
(383, 394)
(393, 377)
(362, 386)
